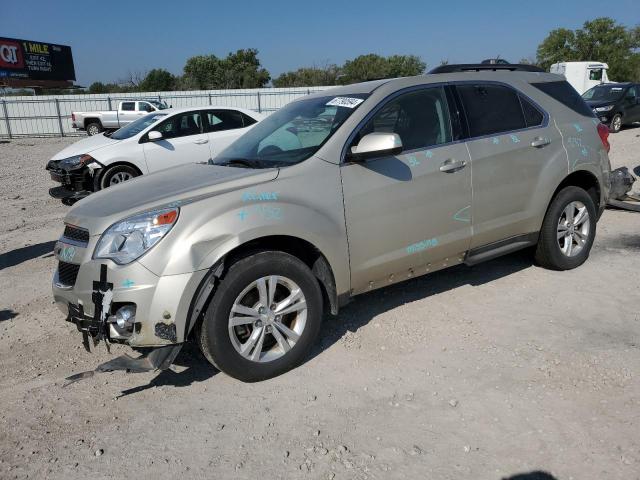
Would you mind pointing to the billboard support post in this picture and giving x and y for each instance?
(6, 117)
(59, 117)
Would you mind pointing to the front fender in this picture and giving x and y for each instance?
(287, 206)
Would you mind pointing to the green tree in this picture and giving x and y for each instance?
(157, 80)
(241, 69)
(601, 39)
(308, 77)
(372, 67)
(98, 87)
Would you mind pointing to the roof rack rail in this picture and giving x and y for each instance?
(481, 67)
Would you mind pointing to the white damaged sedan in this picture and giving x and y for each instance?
(154, 142)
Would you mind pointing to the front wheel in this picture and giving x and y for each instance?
(568, 230)
(264, 317)
(115, 175)
(616, 123)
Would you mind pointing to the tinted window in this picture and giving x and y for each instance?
(564, 93)
(420, 118)
(129, 106)
(631, 93)
(220, 120)
(491, 109)
(532, 116)
(145, 107)
(181, 125)
(247, 120)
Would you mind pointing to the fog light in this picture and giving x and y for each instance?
(126, 316)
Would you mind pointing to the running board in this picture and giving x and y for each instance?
(503, 247)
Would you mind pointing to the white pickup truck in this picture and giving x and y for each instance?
(128, 111)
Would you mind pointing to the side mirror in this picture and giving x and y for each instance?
(154, 136)
(377, 144)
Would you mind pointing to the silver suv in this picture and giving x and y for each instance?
(336, 194)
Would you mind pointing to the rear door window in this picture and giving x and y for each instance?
(532, 115)
(219, 120)
(491, 109)
(128, 106)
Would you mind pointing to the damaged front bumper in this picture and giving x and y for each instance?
(93, 294)
(76, 183)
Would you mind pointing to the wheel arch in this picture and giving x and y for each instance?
(583, 179)
(302, 249)
(90, 120)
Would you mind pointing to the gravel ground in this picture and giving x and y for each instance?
(488, 372)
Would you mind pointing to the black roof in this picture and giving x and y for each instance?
(481, 67)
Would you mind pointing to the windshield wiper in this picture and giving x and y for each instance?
(239, 162)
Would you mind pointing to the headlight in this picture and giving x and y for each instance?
(74, 162)
(129, 239)
(604, 109)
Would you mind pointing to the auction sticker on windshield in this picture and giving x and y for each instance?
(348, 102)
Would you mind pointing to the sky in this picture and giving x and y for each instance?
(110, 39)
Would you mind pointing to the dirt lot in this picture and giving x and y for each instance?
(479, 373)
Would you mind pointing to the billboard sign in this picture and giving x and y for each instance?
(25, 60)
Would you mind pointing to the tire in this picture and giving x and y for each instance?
(115, 175)
(616, 123)
(93, 128)
(221, 343)
(572, 249)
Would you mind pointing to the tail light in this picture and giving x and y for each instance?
(603, 132)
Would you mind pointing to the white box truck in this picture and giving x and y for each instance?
(582, 75)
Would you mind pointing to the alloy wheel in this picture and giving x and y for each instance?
(120, 177)
(267, 318)
(574, 226)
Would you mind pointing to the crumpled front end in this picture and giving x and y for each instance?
(119, 303)
(76, 179)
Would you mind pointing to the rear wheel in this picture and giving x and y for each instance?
(115, 175)
(616, 123)
(263, 318)
(568, 230)
(94, 128)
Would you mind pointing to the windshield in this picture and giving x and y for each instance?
(292, 134)
(604, 93)
(136, 127)
(158, 105)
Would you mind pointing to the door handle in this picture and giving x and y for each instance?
(450, 166)
(201, 141)
(540, 142)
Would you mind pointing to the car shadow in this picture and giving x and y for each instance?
(19, 255)
(198, 369)
(7, 314)
(538, 475)
(367, 306)
(355, 315)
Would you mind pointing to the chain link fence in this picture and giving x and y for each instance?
(50, 116)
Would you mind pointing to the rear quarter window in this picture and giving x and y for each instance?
(564, 93)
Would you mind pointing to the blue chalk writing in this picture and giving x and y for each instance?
(242, 214)
(514, 138)
(259, 196)
(577, 127)
(463, 215)
(67, 253)
(428, 154)
(128, 283)
(423, 245)
(413, 161)
(584, 152)
(495, 141)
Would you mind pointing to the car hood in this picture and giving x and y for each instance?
(598, 103)
(86, 145)
(171, 187)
